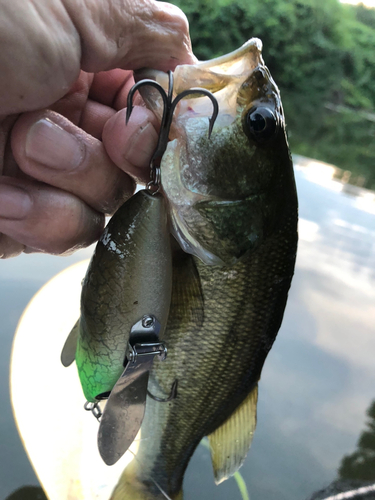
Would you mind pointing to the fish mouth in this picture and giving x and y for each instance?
(222, 76)
(212, 74)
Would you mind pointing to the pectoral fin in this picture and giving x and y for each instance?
(230, 443)
(68, 353)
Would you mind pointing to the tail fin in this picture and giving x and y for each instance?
(132, 487)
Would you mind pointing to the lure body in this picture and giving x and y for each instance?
(129, 276)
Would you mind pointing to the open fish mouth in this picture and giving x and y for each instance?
(211, 183)
(222, 76)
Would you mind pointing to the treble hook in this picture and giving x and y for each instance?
(166, 121)
(199, 91)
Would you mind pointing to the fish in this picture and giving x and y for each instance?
(233, 212)
(218, 251)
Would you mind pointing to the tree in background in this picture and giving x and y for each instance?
(361, 464)
(321, 54)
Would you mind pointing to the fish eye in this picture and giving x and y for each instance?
(261, 123)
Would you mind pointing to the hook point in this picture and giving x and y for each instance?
(129, 110)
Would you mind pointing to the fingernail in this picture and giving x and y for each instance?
(142, 142)
(15, 202)
(54, 147)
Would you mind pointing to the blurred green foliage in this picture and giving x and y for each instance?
(321, 54)
(361, 463)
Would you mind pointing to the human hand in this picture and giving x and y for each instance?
(59, 165)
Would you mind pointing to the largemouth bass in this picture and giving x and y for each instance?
(233, 208)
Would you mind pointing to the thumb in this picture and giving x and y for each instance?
(131, 34)
(47, 44)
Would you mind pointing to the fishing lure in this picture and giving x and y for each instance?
(125, 301)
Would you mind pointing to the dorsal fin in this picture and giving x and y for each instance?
(68, 353)
(230, 442)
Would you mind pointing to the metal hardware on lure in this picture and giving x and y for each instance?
(166, 121)
(123, 415)
(146, 350)
(95, 409)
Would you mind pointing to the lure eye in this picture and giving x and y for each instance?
(261, 123)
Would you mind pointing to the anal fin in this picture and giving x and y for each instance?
(230, 443)
(68, 353)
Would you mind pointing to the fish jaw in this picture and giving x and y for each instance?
(224, 192)
(222, 76)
